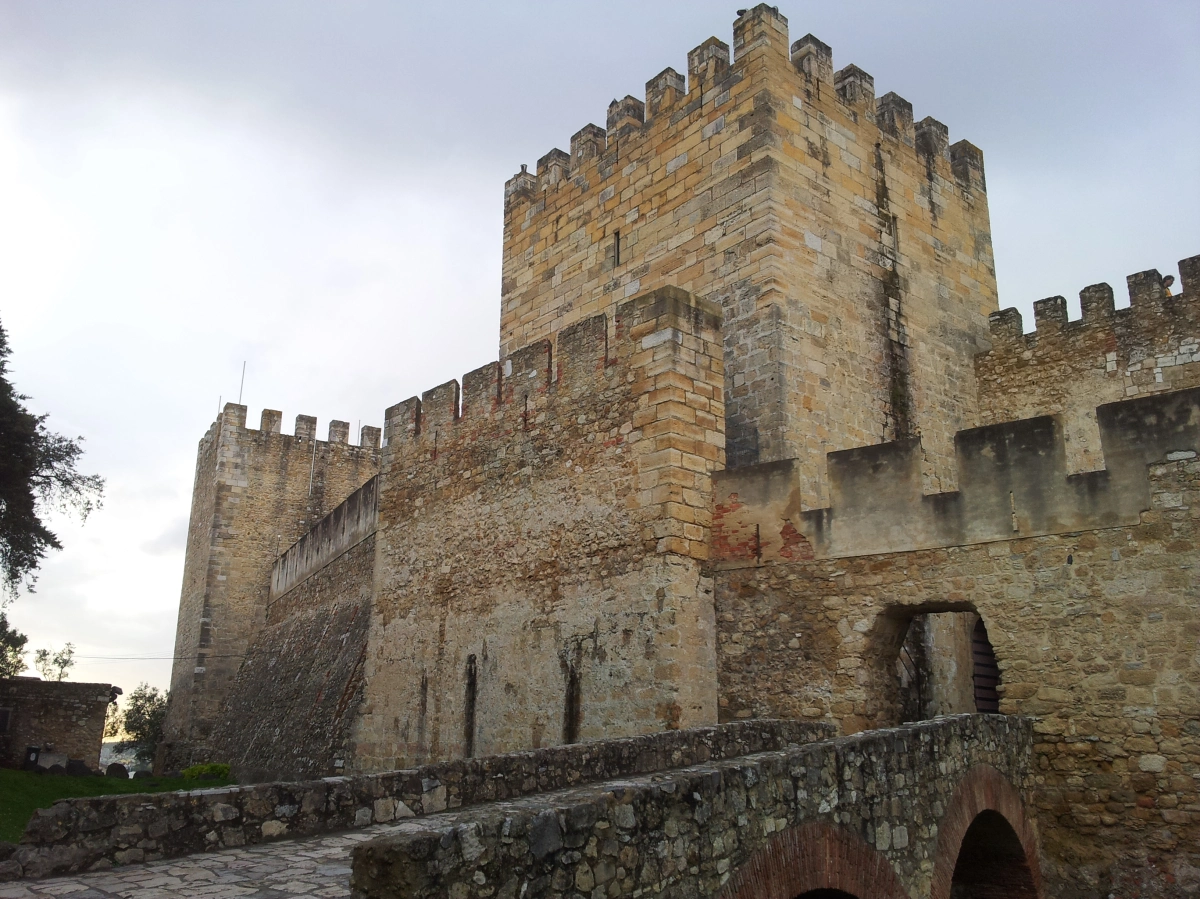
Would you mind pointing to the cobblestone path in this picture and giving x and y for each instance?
(304, 869)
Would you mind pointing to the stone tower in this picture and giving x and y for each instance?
(849, 248)
(255, 493)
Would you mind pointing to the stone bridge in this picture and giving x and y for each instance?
(935, 809)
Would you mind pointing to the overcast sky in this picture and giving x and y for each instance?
(316, 188)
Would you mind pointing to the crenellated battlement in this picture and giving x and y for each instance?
(654, 390)
(1067, 368)
(672, 101)
(1150, 306)
(271, 422)
(1014, 481)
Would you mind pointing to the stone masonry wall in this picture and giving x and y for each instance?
(290, 713)
(540, 543)
(62, 718)
(849, 248)
(1014, 481)
(872, 808)
(1068, 368)
(83, 834)
(1095, 632)
(256, 492)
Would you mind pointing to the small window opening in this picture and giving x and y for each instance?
(616, 248)
(572, 711)
(469, 717)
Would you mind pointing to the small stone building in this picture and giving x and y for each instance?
(63, 720)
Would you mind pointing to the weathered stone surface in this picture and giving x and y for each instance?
(76, 834)
(256, 493)
(64, 719)
(690, 832)
(1095, 634)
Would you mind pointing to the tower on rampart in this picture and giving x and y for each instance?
(848, 246)
(255, 493)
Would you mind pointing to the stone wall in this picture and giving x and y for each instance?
(1068, 368)
(256, 492)
(62, 718)
(830, 228)
(290, 713)
(1014, 480)
(1095, 633)
(87, 834)
(880, 814)
(541, 535)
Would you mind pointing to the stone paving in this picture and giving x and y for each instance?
(292, 869)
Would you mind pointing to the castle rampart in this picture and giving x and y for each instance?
(540, 541)
(848, 246)
(255, 492)
(1014, 479)
(1094, 631)
(1068, 368)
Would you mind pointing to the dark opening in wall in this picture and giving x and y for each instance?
(986, 673)
(572, 709)
(946, 666)
(469, 717)
(616, 248)
(991, 862)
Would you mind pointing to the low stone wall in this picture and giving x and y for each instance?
(882, 813)
(95, 833)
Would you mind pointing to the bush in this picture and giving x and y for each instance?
(213, 770)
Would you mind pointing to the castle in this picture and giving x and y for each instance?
(759, 444)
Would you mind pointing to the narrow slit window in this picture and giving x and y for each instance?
(616, 248)
(572, 712)
(469, 717)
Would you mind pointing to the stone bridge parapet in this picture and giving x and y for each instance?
(102, 831)
(883, 813)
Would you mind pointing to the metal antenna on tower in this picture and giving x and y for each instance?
(243, 384)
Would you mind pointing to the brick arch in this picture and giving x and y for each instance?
(815, 856)
(982, 789)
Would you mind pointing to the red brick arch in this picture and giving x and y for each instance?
(982, 789)
(815, 856)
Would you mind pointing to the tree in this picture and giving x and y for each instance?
(12, 649)
(37, 474)
(54, 666)
(114, 720)
(145, 713)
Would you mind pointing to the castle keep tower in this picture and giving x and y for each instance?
(849, 248)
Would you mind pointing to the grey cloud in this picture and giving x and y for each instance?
(171, 540)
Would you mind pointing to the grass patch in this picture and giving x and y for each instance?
(22, 792)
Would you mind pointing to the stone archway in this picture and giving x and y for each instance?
(922, 661)
(986, 845)
(815, 860)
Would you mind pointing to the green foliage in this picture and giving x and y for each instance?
(114, 720)
(12, 649)
(145, 713)
(213, 770)
(37, 473)
(21, 792)
(54, 666)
